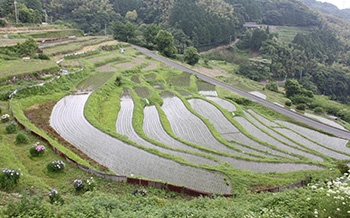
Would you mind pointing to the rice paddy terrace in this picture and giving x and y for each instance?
(164, 124)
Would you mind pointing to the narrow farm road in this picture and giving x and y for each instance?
(332, 130)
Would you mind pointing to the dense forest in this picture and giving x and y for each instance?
(328, 8)
(319, 59)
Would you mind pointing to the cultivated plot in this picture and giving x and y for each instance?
(189, 127)
(68, 120)
(282, 139)
(330, 142)
(227, 129)
(124, 127)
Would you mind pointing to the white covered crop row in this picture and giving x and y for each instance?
(325, 120)
(240, 137)
(154, 130)
(189, 127)
(68, 120)
(263, 136)
(181, 119)
(328, 141)
(223, 103)
(124, 126)
(263, 119)
(313, 145)
(221, 124)
(283, 139)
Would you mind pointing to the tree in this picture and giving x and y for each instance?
(131, 15)
(191, 55)
(292, 87)
(258, 37)
(150, 33)
(123, 32)
(165, 43)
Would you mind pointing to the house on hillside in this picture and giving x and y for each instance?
(251, 25)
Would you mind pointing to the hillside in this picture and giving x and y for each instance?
(254, 148)
(113, 110)
(327, 8)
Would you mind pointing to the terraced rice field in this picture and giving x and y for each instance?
(200, 135)
(68, 120)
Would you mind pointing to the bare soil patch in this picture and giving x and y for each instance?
(215, 72)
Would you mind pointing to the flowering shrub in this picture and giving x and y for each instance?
(5, 118)
(78, 185)
(55, 197)
(335, 197)
(37, 150)
(89, 185)
(55, 166)
(9, 178)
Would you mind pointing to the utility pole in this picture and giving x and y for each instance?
(16, 14)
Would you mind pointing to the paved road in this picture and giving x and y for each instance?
(332, 130)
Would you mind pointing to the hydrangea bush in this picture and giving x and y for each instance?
(55, 197)
(56, 166)
(9, 178)
(78, 185)
(37, 150)
(89, 185)
(5, 117)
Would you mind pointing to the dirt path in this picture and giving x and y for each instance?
(220, 47)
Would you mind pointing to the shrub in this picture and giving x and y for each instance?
(319, 110)
(9, 178)
(342, 167)
(55, 197)
(5, 117)
(89, 185)
(11, 128)
(37, 150)
(21, 138)
(78, 185)
(300, 99)
(240, 100)
(301, 107)
(56, 166)
(272, 86)
(332, 198)
(43, 56)
(288, 103)
(2, 23)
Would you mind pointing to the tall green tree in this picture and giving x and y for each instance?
(124, 32)
(150, 34)
(165, 43)
(191, 55)
(258, 37)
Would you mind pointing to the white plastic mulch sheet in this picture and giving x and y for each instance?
(68, 120)
(189, 127)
